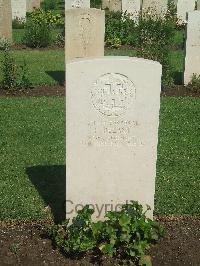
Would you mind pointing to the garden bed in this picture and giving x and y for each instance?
(26, 244)
(177, 91)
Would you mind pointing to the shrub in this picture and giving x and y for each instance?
(95, 3)
(120, 29)
(39, 16)
(49, 4)
(37, 35)
(14, 77)
(127, 233)
(152, 36)
(155, 39)
(194, 84)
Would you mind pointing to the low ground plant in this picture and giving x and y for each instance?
(127, 233)
(194, 84)
(5, 44)
(14, 76)
(37, 35)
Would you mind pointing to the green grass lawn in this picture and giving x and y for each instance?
(32, 159)
(47, 67)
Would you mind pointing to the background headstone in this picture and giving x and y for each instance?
(32, 4)
(192, 59)
(183, 7)
(5, 19)
(77, 4)
(112, 5)
(132, 7)
(84, 33)
(19, 8)
(158, 7)
(198, 4)
(112, 131)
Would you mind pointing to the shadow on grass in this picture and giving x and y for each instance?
(178, 78)
(58, 76)
(50, 181)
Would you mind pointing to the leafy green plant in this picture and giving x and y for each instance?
(152, 36)
(14, 248)
(14, 77)
(40, 16)
(49, 4)
(155, 39)
(127, 233)
(5, 44)
(120, 29)
(194, 84)
(37, 35)
(95, 3)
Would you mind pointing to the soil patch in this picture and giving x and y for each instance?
(35, 92)
(24, 47)
(178, 91)
(25, 244)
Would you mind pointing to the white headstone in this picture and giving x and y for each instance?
(19, 8)
(5, 19)
(158, 7)
(77, 4)
(112, 131)
(112, 5)
(31, 5)
(84, 32)
(192, 59)
(183, 7)
(132, 7)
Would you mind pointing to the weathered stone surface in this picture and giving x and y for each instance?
(183, 7)
(19, 8)
(5, 19)
(31, 5)
(84, 33)
(112, 131)
(132, 7)
(77, 4)
(159, 7)
(112, 5)
(198, 4)
(192, 59)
